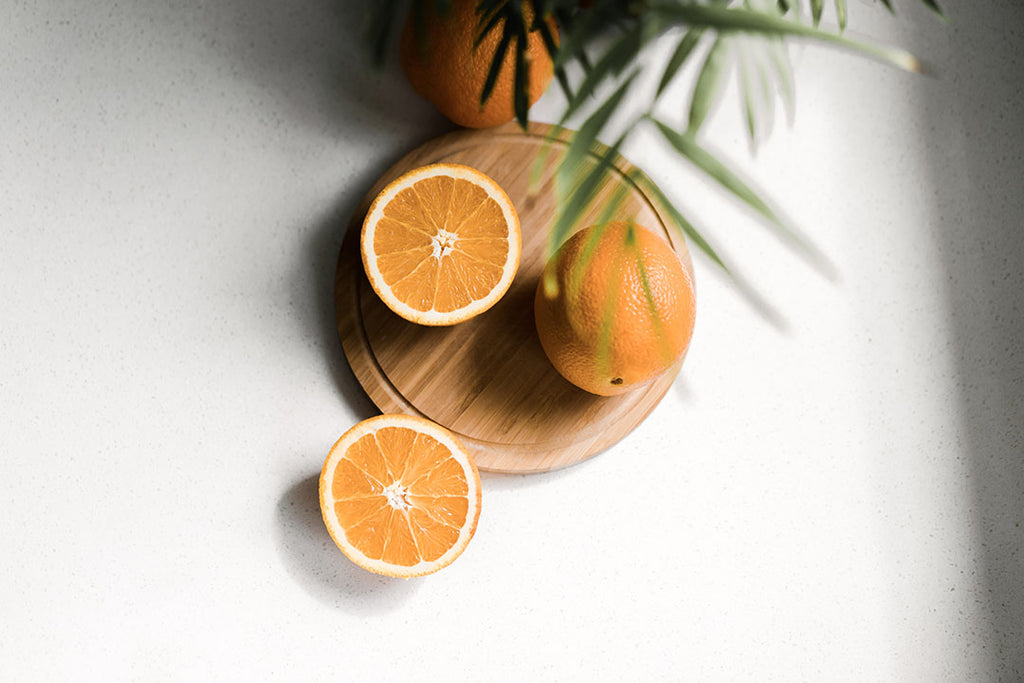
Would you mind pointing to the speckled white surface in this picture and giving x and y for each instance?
(842, 500)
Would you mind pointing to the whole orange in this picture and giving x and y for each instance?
(443, 66)
(615, 308)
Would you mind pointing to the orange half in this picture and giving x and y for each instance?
(441, 244)
(400, 495)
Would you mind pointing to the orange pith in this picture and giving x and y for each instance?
(615, 308)
(441, 244)
(400, 496)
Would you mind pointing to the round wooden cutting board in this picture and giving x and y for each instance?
(488, 379)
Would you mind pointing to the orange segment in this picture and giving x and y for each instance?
(400, 495)
(441, 244)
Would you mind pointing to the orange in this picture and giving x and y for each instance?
(443, 66)
(400, 495)
(441, 244)
(615, 308)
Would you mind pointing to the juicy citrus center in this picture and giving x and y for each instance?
(441, 244)
(397, 508)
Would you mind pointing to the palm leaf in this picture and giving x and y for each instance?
(747, 96)
(520, 98)
(710, 83)
(496, 63)
(621, 52)
(779, 58)
(539, 12)
(687, 146)
(682, 52)
(644, 181)
(841, 14)
(379, 30)
(816, 7)
(934, 6)
(743, 286)
(487, 23)
(583, 27)
(583, 140)
(540, 161)
(725, 19)
(577, 192)
(604, 335)
(756, 50)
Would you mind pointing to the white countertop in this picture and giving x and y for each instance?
(839, 500)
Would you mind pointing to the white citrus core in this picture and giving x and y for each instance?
(397, 495)
(444, 243)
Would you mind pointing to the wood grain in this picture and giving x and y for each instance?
(488, 379)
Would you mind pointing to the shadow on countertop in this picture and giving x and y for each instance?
(312, 59)
(317, 564)
(977, 163)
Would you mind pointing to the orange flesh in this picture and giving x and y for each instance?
(441, 244)
(407, 484)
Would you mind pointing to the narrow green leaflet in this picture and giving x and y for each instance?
(682, 51)
(706, 162)
(841, 14)
(747, 94)
(576, 277)
(816, 7)
(759, 66)
(743, 286)
(584, 25)
(379, 31)
(710, 83)
(604, 336)
(652, 307)
(576, 192)
(796, 6)
(622, 51)
(496, 63)
(934, 6)
(540, 161)
(641, 179)
(520, 101)
(725, 19)
(779, 57)
(488, 7)
(551, 46)
(485, 25)
(586, 136)
(888, 5)
(611, 206)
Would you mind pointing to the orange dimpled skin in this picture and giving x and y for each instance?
(400, 495)
(447, 69)
(615, 308)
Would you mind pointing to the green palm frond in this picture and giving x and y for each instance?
(679, 57)
(604, 39)
(710, 83)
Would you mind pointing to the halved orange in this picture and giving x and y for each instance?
(441, 244)
(400, 495)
